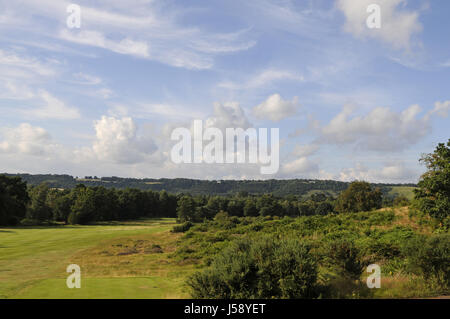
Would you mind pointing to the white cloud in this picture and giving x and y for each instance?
(305, 150)
(52, 108)
(228, 115)
(14, 90)
(388, 173)
(13, 65)
(117, 141)
(441, 108)
(301, 165)
(262, 79)
(151, 33)
(95, 38)
(26, 139)
(275, 108)
(398, 25)
(87, 79)
(382, 129)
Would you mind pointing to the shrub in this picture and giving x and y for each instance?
(430, 257)
(262, 268)
(347, 257)
(400, 201)
(30, 222)
(182, 228)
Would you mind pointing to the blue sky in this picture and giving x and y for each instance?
(351, 102)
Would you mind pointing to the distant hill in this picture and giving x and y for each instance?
(279, 187)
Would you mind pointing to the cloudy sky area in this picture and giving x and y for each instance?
(350, 102)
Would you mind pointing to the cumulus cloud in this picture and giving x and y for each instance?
(228, 115)
(382, 129)
(274, 108)
(117, 141)
(26, 139)
(389, 172)
(398, 25)
(301, 165)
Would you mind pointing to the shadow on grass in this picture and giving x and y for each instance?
(131, 222)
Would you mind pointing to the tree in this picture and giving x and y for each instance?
(358, 197)
(61, 207)
(83, 209)
(39, 208)
(250, 208)
(432, 195)
(13, 200)
(268, 206)
(186, 209)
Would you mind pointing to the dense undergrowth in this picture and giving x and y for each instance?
(412, 250)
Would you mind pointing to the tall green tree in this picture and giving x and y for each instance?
(39, 208)
(432, 195)
(186, 209)
(13, 200)
(358, 197)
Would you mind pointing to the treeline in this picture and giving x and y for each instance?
(200, 187)
(82, 204)
(41, 204)
(359, 196)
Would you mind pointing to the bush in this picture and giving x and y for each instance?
(347, 257)
(262, 268)
(430, 257)
(182, 228)
(30, 222)
(400, 201)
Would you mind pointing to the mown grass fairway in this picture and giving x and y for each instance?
(117, 260)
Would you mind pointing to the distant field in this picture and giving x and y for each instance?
(406, 191)
(117, 260)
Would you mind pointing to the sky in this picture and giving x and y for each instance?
(351, 102)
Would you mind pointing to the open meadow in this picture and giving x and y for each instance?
(145, 259)
(117, 260)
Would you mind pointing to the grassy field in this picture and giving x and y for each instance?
(144, 259)
(117, 260)
(406, 191)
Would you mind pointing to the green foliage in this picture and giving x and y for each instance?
(13, 200)
(182, 228)
(347, 257)
(359, 196)
(39, 208)
(433, 193)
(262, 268)
(430, 257)
(400, 201)
(186, 209)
